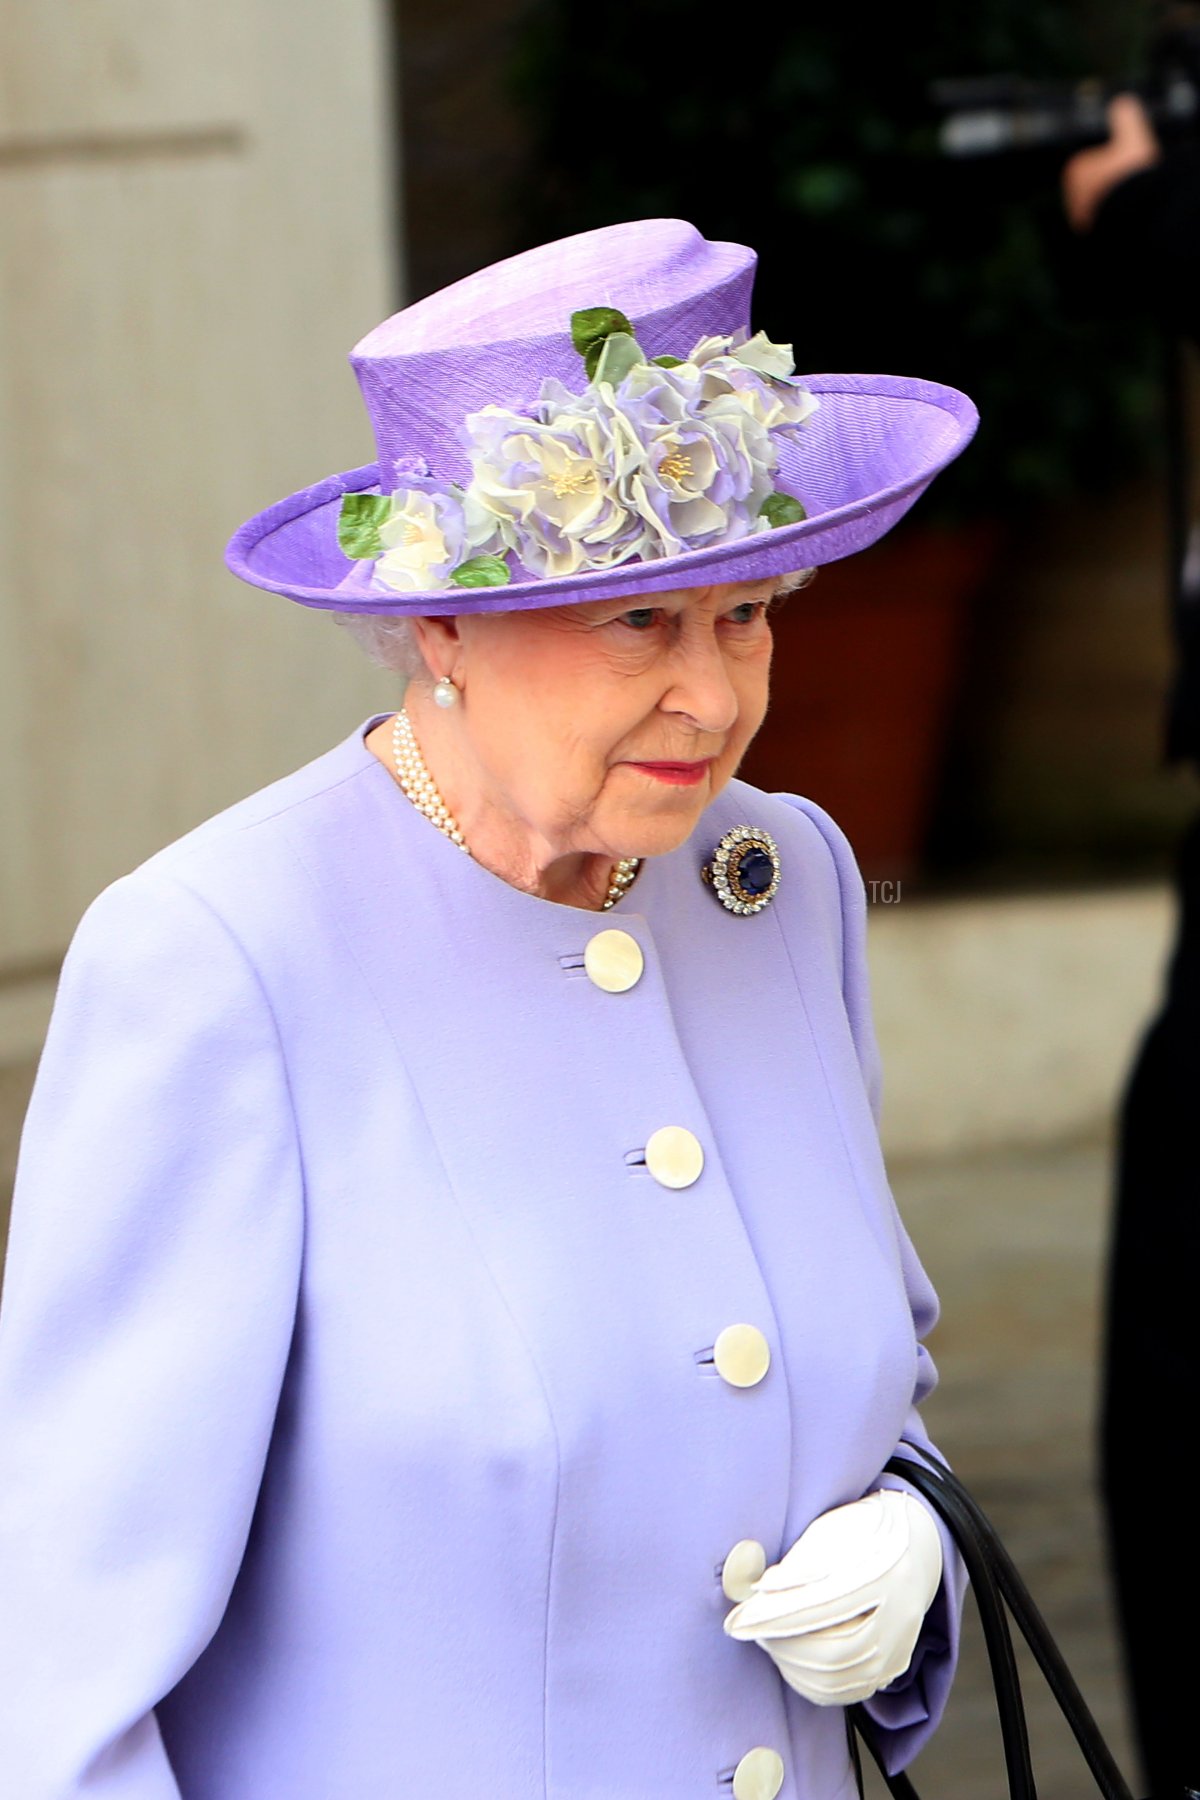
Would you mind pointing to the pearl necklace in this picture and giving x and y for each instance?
(418, 784)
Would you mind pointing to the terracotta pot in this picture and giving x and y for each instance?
(866, 661)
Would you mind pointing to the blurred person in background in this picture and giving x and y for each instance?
(452, 1259)
(1139, 207)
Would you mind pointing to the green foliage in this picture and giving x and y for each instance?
(782, 509)
(591, 329)
(619, 353)
(481, 571)
(875, 251)
(359, 520)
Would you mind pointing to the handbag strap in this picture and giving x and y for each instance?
(998, 1586)
(1006, 1681)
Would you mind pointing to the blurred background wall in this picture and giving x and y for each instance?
(198, 219)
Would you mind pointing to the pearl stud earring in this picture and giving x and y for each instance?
(444, 692)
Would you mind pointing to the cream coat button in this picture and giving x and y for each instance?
(742, 1355)
(674, 1156)
(614, 961)
(759, 1775)
(742, 1568)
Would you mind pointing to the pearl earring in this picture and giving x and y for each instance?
(444, 692)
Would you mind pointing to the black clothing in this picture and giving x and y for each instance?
(1147, 231)
(1143, 251)
(1152, 1362)
(1146, 240)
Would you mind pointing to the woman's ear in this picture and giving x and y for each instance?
(440, 644)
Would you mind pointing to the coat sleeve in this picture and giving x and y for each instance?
(147, 1314)
(906, 1713)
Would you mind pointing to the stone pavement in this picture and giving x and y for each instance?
(1014, 1242)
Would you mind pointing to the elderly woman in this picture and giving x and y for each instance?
(432, 1303)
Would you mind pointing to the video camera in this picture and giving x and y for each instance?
(999, 115)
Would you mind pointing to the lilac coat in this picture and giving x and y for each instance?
(360, 1437)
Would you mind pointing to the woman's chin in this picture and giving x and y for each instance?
(657, 833)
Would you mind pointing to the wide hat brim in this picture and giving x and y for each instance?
(857, 465)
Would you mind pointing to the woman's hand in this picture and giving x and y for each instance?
(841, 1612)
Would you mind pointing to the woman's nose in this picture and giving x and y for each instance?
(702, 687)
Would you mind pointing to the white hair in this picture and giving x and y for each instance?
(387, 638)
(390, 641)
(788, 584)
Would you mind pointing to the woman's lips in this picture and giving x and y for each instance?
(678, 774)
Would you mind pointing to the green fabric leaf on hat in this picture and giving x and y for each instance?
(591, 327)
(618, 354)
(481, 571)
(781, 509)
(359, 522)
(667, 362)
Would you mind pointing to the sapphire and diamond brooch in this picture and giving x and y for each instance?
(744, 870)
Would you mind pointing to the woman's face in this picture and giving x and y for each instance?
(609, 726)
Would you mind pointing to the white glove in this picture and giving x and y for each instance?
(841, 1612)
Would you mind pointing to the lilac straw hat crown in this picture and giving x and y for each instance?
(510, 475)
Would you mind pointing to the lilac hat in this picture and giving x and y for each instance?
(593, 419)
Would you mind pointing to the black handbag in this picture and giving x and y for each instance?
(999, 1592)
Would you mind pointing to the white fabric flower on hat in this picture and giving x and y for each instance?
(422, 540)
(696, 470)
(549, 483)
(758, 374)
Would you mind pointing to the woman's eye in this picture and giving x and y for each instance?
(748, 612)
(641, 618)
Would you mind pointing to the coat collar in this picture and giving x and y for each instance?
(428, 854)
